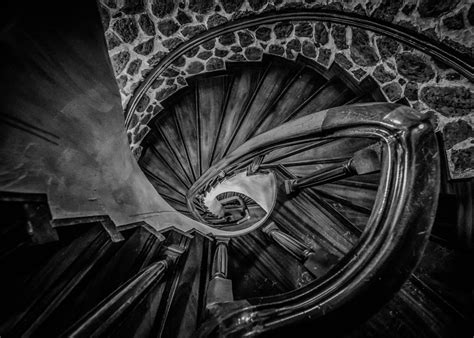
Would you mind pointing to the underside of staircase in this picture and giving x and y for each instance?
(51, 287)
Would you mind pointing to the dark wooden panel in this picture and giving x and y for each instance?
(334, 93)
(357, 214)
(164, 188)
(172, 135)
(362, 197)
(188, 303)
(280, 154)
(259, 267)
(159, 168)
(58, 283)
(147, 317)
(55, 267)
(243, 88)
(13, 229)
(443, 270)
(325, 156)
(308, 169)
(303, 218)
(25, 266)
(161, 150)
(142, 320)
(415, 312)
(185, 112)
(292, 97)
(212, 93)
(273, 81)
(341, 223)
(339, 148)
(124, 262)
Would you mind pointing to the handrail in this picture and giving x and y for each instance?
(305, 130)
(458, 61)
(106, 313)
(395, 236)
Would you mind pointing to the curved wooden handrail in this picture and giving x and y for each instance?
(395, 236)
(307, 129)
(458, 61)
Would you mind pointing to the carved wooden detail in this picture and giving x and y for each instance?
(365, 161)
(220, 287)
(317, 263)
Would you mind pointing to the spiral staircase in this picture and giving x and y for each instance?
(322, 195)
(325, 207)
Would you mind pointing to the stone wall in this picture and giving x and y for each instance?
(139, 34)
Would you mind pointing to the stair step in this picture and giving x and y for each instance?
(244, 83)
(170, 133)
(338, 149)
(258, 267)
(188, 304)
(211, 96)
(105, 315)
(169, 164)
(364, 197)
(273, 81)
(46, 300)
(166, 190)
(296, 93)
(186, 119)
(303, 216)
(137, 251)
(333, 94)
(154, 165)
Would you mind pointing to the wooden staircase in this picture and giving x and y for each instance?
(86, 283)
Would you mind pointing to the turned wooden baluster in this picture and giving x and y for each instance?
(219, 264)
(253, 167)
(318, 262)
(219, 288)
(364, 161)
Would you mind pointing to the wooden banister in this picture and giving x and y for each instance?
(365, 161)
(393, 240)
(97, 321)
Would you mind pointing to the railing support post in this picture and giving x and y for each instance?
(253, 167)
(316, 262)
(364, 161)
(220, 287)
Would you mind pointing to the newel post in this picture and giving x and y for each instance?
(316, 262)
(220, 287)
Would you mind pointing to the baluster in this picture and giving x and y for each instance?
(253, 167)
(317, 262)
(364, 161)
(111, 229)
(219, 288)
(219, 264)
